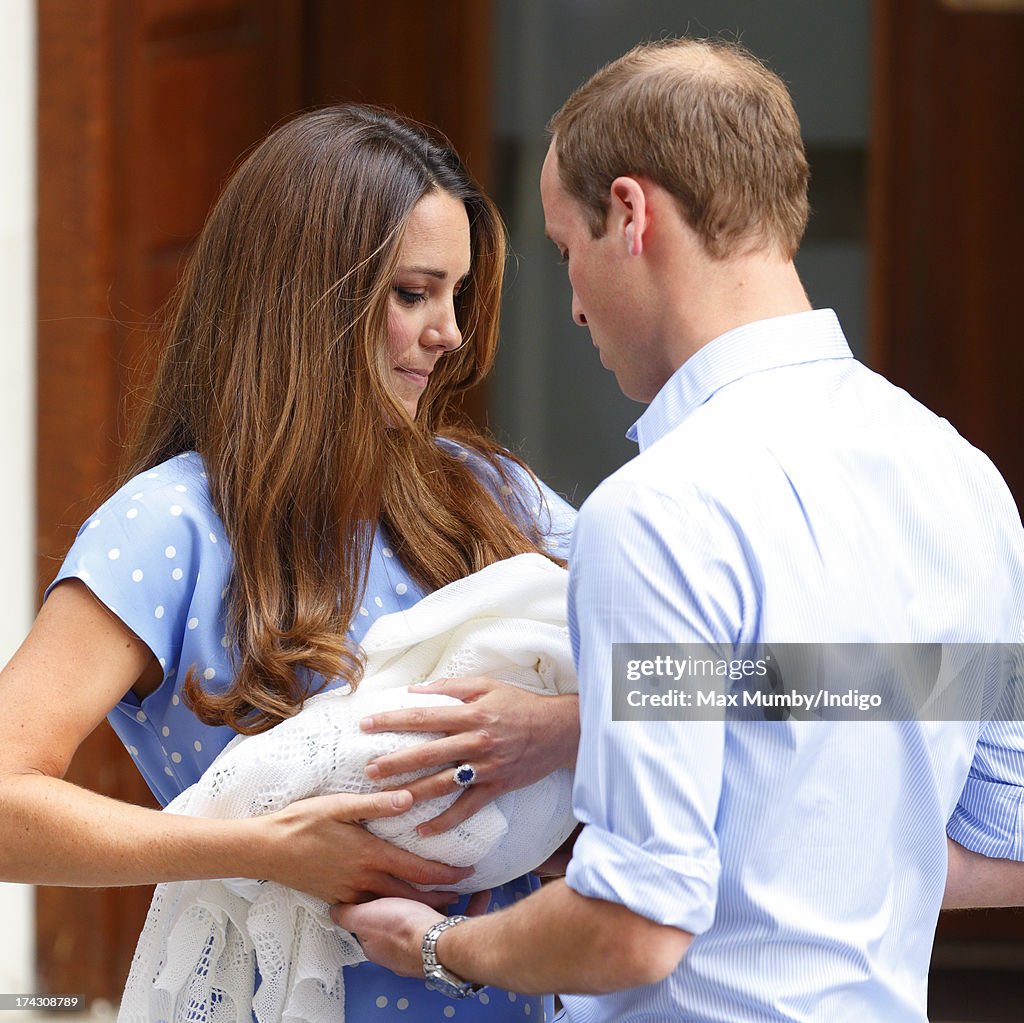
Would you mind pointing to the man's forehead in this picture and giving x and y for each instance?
(549, 169)
(550, 185)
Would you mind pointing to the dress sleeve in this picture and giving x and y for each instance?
(645, 569)
(144, 551)
(554, 516)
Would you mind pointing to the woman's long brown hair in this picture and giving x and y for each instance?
(275, 368)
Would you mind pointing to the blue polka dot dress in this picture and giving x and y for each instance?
(156, 555)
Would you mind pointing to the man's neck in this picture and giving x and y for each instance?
(733, 293)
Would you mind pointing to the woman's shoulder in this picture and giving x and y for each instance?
(160, 523)
(178, 485)
(169, 500)
(522, 494)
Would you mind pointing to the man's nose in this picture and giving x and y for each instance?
(578, 316)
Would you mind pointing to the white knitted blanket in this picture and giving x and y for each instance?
(204, 940)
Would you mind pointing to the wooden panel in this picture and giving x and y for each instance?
(143, 109)
(947, 162)
(431, 64)
(946, 217)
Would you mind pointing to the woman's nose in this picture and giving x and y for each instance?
(445, 332)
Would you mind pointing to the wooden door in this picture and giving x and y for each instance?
(144, 106)
(947, 218)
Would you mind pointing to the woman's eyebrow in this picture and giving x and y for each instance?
(441, 275)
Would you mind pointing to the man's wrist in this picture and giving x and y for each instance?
(437, 974)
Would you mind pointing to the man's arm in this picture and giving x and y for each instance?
(975, 881)
(555, 940)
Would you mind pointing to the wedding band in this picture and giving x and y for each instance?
(464, 776)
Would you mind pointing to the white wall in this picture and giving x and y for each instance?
(17, 407)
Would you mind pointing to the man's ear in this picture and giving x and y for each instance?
(628, 213)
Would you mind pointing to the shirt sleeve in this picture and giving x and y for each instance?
(143, 553)
(989, 816)
(645, 568)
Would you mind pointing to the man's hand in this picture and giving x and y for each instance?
(390, 932)
(510, 736)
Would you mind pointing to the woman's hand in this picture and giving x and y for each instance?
(510, 736)
(318, 845)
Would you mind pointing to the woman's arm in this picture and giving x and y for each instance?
(77, 662)
(510, 736)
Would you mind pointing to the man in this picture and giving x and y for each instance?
(747, 869)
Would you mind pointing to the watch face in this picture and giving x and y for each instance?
(438, 980)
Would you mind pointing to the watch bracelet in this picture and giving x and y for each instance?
(435, 931)
(448, 983)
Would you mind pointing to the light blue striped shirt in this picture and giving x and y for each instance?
(785, 493)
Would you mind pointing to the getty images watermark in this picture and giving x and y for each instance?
(818, 682)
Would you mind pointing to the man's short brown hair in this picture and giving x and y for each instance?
(705, 120)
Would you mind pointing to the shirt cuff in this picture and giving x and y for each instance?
(989, 819)
(677, 891)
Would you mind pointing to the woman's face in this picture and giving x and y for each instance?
(434, 261)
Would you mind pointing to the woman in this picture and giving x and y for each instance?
(296, 475)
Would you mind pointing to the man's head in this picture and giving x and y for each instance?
(708, 123)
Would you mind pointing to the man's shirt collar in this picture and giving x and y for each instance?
(752, 348)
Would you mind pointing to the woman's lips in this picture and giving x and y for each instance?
(419, 376)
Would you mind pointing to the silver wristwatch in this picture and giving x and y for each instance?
(437, 976)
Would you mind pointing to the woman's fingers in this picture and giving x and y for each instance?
(322, 849)
(462, 809)
(438, 753)
(407, 866)
(354, 809)
(443, 717)
(452, 717)
(465, 689)
(386, 886)
(433, 786)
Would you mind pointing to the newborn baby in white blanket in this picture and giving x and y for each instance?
(506, 622)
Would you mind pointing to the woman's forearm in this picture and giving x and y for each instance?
(60, 834)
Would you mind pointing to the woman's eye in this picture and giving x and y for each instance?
(410, 297)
